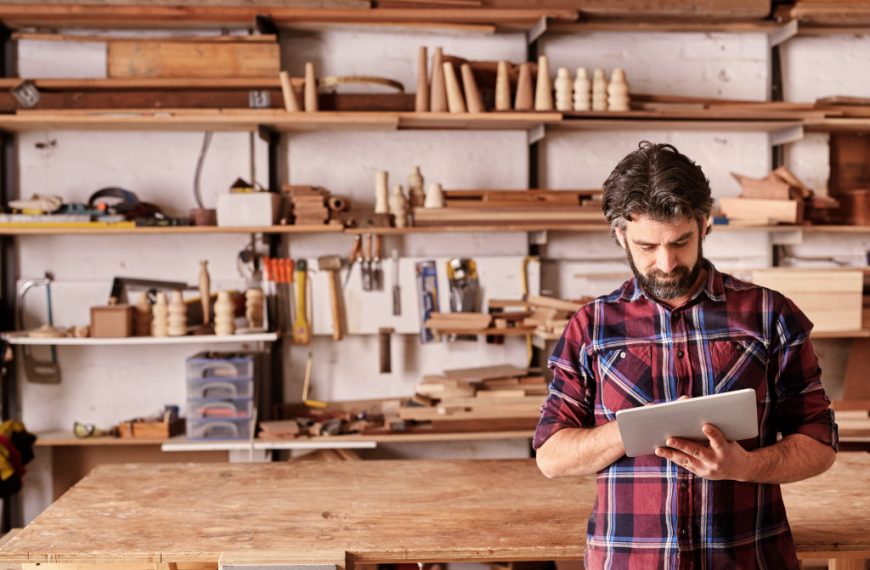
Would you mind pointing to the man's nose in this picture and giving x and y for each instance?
(666, 261)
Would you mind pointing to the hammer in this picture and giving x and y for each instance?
(331, 264)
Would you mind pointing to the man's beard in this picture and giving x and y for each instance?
(671, 285)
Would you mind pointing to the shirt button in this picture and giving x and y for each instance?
(684, 485)
(683, 532)
(680, 354)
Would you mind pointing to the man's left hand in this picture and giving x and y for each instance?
(722, 459)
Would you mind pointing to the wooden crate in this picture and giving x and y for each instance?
(151, 429)
(831, 299)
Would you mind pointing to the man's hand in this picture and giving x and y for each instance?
(722, 459)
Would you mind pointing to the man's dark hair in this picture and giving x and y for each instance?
(658, 181)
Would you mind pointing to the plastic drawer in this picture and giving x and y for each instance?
(209, 428)
(201, 388)
(220, 365)
(225, 408)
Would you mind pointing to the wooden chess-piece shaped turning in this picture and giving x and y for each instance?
(224, 324)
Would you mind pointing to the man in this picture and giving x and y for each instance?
(682, 329)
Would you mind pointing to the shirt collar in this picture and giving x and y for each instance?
(714, 287)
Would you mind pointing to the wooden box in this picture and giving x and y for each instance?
(151, 429)
(229, 57)
(831, 299)
(112, 321)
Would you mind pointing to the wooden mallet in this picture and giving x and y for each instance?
(331, 264)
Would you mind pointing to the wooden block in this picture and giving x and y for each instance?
(756, 210)
(112, 321)
(192, 59)
(495, 394)
(151, 429)
(766, 188)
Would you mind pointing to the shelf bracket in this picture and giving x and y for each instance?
(786, 237)
(266, 25)
(537, 133)
(538, 237)
(786, 135)
(536, 31)
(783, 33)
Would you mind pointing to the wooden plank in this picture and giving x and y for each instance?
(757, 210)
(485, 372)
(170, 513)
(794, 280)
(152, 58)
(554, 303)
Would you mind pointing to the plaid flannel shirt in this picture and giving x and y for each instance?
(625, 350)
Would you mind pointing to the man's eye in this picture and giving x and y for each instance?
(681, 244)
(647, 248)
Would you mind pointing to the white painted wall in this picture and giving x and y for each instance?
(159, 166)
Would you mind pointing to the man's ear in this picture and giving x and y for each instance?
(620, 236)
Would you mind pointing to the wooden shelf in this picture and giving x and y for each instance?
(67, 439)
(15, 230)
(30, 230)
(249, 120)
(489, 331)
(20, 338)
(18, 16)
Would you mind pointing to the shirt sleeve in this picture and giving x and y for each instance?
(803, 406)
(571, 395)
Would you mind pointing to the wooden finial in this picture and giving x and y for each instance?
(421, 101)
(502, 88)
(310, 88)
(472, 94)
(455, 101)
(437, 90)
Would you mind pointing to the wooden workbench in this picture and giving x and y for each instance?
(200, 515)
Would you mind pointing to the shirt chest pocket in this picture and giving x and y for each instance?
(626, 377)
(738, 364)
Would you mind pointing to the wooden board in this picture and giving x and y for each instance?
(485, 372)
(831, 299)
(374, 511)
(756, 210)
(151, 58)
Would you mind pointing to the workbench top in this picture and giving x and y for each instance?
(373, 511)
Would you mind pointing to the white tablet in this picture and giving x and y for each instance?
(645, 428)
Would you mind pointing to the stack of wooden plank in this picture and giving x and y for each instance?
(777, 198)
(308, 204)
(479, 395)
(831, 298)
(494, 207)
(444, 323)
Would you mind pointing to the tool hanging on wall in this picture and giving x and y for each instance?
(301, 328)
(306, 384)
(397, 291)
(463, 292)
(385, 358)
(366, 264)
(331, 264)
(354, 257)
(377, 264)
(427, 293)
(36, 370)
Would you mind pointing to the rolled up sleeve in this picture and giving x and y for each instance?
(571, 394)
(803, 405)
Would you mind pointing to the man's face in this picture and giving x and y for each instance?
(664, 256)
